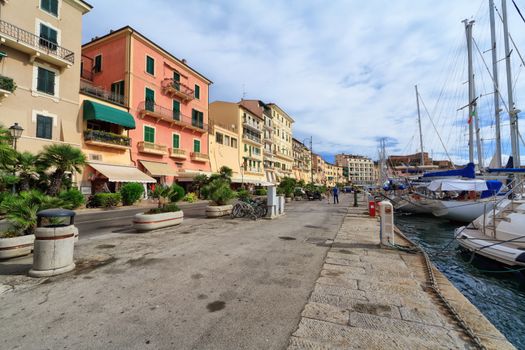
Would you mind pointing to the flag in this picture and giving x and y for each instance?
(471, 116)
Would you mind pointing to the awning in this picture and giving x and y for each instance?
(120, 173)
(158, 169)
(98, 111)
(188, 175)
(251, 180)
(458, 185)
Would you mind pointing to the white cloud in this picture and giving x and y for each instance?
(344, 70)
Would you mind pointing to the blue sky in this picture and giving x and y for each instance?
(344, 70)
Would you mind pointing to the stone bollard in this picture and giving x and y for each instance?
(272, 203)
(54, 244)
(281, 204)
(386, 211)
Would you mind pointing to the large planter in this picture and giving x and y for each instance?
(147, 222)
(215, 211)
(288, 199)
(16, 246)
(53, 252)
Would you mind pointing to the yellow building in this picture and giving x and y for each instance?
(224, 147)
(361, 168)
(282, 142)
(302, 164)
(40, 48)
(247, 125)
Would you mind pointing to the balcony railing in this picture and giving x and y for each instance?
(252, 126)
(38, 43)
(86, 74)
(178, 153)
(251, 138)
(253, 170)
(174, 117)
(101, 93)
(176, 88)
(199, 157)
(153, 148)
(96, 136)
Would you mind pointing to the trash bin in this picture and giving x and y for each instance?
(54, 243)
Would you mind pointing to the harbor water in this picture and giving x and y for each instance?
(497, 292)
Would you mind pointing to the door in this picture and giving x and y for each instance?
(150, 100)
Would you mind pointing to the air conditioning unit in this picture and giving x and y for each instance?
(95, 157)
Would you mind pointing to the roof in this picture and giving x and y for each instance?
(131, 30)
(252, 106)
(281, 110)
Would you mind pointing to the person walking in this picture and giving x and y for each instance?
(336, 194)
(327, 193)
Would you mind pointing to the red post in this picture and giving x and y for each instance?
(372, 208)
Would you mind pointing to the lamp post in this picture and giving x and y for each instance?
(311, 158)
(16, 132)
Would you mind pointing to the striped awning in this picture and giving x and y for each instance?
(158, 169)
(121, 173)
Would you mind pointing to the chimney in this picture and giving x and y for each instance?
(184, 60)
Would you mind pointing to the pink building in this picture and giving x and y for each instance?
(167, 98)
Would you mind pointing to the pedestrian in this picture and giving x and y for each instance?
(327, 193)
(336, 194)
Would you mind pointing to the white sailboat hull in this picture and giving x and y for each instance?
(462, 211)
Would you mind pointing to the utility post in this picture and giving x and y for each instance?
(311, 160)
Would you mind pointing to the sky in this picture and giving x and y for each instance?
(344, 70)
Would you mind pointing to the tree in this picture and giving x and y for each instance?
(226, 172)
(26, 167)
(65, 158)
(199, 181)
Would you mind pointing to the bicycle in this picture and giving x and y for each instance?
(248, 208)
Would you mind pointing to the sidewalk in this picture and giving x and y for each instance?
(369, 297)
(146, 204)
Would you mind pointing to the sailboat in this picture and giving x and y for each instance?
(499, 233)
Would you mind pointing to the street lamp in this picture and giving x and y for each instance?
(16, 132)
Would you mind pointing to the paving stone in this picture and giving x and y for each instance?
(304, 344)
(326, 312)
(423, 315)
(337, 281)
(339, 291)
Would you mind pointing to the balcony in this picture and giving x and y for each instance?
(251, 138)
(199, 157)
(268, 127)
(178, 153)
(150, 109)
(152, 148)
(282, 155)
(251, 125)
(98, 92)
(106, 139)
(253, 170)
(7, 86)
(174, 88)
(35, 46)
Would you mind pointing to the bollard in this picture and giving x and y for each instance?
(372, 208)
(387, 223)
(54, 244)
(355, 198)
(272, 203)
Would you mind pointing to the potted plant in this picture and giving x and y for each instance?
(17, 235)
(287, 187)
(167, 212)
(219, 192)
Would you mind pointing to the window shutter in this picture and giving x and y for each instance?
(176, 141)
(53, 6)
(196, 146)
(197, 91)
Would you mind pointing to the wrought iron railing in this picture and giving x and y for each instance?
(179, 87)
(101, 93)
(149, 107)
(106, 137)
(251, 137)
(37, 42)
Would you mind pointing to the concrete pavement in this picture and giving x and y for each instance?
(207, 284)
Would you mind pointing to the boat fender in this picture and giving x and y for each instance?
(521, 258)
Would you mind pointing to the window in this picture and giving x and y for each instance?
(150, 100)
(44, 127)
(234, 142)
(50, 6)
(176, 80)
(45, 81)
(117, 92)
(48, 37)
(197, 92)
(219, 138)
(97, 67)
(197, 146)
(149, 134)
(226, 140)
(176, 110)
(176, 141)
(150, 65)
(197, 118)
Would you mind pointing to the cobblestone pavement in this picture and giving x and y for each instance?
(369, 297)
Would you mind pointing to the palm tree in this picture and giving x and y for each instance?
(64, 158)
(27, 167)
(7, 154)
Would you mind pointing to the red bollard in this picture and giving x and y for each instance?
(372, 208)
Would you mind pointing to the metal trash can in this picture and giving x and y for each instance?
(54, 243)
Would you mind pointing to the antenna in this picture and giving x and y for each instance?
(243, 91)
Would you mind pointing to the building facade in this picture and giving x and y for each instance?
(360, 169)
(40, 49)
(282, 142)
(166, 97)
(246, 125)
(302, 164)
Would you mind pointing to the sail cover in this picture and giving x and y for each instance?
(458, 185)
(468, 172)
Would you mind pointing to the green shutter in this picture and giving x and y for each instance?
(176, 76)
(46, 81)
(98, 64)
(149, 134)
(176, 110)
(150, 65)
(197, 146)
(44, 127)
(50, 6)
(197, 91)
(176, 141)
(150, 100)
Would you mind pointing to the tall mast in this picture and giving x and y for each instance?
(496, 85)
(471, 93)
(420, 131)
(513, 112)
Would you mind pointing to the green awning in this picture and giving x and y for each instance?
(98, 111)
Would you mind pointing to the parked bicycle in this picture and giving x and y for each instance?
(253, 209)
